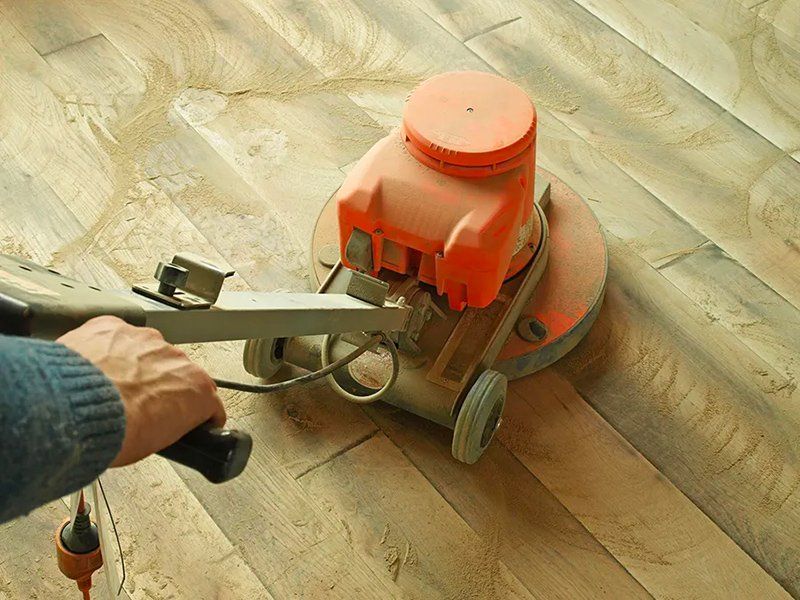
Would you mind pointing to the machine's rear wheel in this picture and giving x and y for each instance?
(479, 417)
(263, 357)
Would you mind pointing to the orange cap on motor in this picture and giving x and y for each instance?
(469, 123)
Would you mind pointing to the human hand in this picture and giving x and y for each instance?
(165, 394)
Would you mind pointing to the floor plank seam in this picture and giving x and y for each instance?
(756, 5)
(489, 29)
(355, 443)
(71, 44)
(679, 255)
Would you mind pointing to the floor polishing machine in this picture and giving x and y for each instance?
(446, 261)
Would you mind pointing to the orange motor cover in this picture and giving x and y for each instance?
(448, 196)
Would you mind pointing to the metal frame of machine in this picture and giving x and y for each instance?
(455, 366)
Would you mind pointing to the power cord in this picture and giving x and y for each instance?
(327, 342)
(116, 535)
(326, 370)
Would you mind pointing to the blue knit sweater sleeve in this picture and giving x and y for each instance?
(61, 423)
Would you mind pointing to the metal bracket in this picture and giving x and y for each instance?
(541, 192)
(177, 299)
(189, 282)
(205, 279)
(362, 286)
(359, 250)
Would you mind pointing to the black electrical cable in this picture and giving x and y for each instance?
(116, 535)
(283, 385)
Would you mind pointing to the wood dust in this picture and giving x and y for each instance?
(126, 144)
(310, 82)
(123, 152)
(671, 257)
(15, 247)
(478, 572)
(548, 90)
(620, 364)
(518, 437)
(299, 419)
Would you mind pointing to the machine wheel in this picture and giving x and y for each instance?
(264, 357)
(479, 417)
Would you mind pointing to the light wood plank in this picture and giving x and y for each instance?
(33, 208)
(665, 541)
(293, 544)
(307, 426)
(728, 294)
(172, 546)
(103, 86)
(727, 52)
(406, 529)
(541, 543)
(47, 26)
(782, 14)
(35, 119)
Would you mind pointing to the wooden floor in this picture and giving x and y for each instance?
(661, 458)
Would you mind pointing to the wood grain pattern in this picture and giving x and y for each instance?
(168, 538)
(650, 462)
(391, 520)
(288, 539)
(542, 543)
(651, 528)
(738, 60)
(759, 317)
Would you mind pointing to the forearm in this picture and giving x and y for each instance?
(61, 420)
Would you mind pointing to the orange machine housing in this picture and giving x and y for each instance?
(448, 196)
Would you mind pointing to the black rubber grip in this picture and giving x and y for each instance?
(218, 454)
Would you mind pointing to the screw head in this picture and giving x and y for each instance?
(170, 276)
(531, 329)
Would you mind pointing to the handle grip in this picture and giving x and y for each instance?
(218, 454)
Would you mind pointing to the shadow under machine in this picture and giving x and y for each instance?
(446, 261)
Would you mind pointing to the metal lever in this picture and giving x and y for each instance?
(218, 454)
